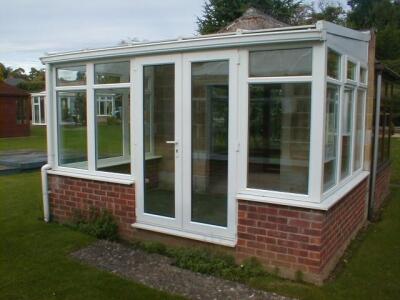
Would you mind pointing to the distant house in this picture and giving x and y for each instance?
(14, 111)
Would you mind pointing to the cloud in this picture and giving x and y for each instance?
(28, 28)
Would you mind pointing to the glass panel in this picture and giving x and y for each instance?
(159, 127)
(347, 116)
(116, 72)
(331, 135)
(210, 111)
(333, 64)
(363, 75)
(351, 70)
(42, 110)
(112, 131)
(72, 144)
(71, 76)
(36, 114)
(359, 133)
(279, 137)
(287, 62)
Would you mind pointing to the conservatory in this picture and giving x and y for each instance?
(253, 139)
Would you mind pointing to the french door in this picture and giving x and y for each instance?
(185, 143)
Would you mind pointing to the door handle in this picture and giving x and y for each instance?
(172, 142)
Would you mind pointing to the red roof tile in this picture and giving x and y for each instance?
(9, 90)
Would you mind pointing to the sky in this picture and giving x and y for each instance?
(31, 28)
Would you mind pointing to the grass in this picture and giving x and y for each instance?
(36, 141)
(35, 263)
(34, 256)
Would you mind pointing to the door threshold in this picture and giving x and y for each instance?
(184, 234)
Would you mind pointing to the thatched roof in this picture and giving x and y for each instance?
(253, 19)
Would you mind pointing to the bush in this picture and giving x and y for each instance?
(98, 223)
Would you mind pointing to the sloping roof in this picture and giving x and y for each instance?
(253, 19)
(9, 90)
(13, 81)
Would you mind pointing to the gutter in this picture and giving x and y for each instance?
(376, 141)
(45, 192)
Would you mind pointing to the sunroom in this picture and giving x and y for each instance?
(197, 127)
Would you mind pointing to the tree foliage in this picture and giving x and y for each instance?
(34, 81)
(219, 13)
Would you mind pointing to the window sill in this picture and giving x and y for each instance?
(325, 204)
(92, 177)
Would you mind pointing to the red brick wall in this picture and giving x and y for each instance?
(69, 194)
(382, 186)
(295, 239)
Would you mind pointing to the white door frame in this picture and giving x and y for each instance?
(182, 225)
(142, 217)
(210, 231)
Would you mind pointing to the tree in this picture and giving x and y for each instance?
(384, 16)
(219, 13)
(329, 11)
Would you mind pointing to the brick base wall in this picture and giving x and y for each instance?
(295, 239)
(382, 186)
(68, 195)
(287, 238)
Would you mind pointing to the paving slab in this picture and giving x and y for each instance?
(158, 272)
(20, 160)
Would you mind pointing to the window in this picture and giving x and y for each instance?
(21, 111)
(42, 110)
(70, 76)
(36, 110)
(279, 137)
(363, 75)
(71, 116)
(331, 135)
(346, 132)
(286, 62)
(351, 70)
(359, 130)
(113, 130)
(333, 64)
(116, 72)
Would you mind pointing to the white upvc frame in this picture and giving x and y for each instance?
(42, 118)
(141, 216)
(219, 232)
(90, 172)
(343, 82)
(316, 132)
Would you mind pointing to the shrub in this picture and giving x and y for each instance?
(98, 223)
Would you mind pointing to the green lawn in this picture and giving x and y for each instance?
(36, 141)
(34, 261)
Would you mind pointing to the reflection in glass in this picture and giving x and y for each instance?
(112, 130)
(116, 72)
(159, 127)
(72, 145)
(358, 139)
(210, 111)
(283, 62)
(279, 137)
(351, 70)
(71, 76)
(363, 75)
(346, 135)
(331, 135)
(333, 64)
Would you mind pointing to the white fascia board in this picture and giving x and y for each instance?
(342, 31)
(200, 43)
(43, 93)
